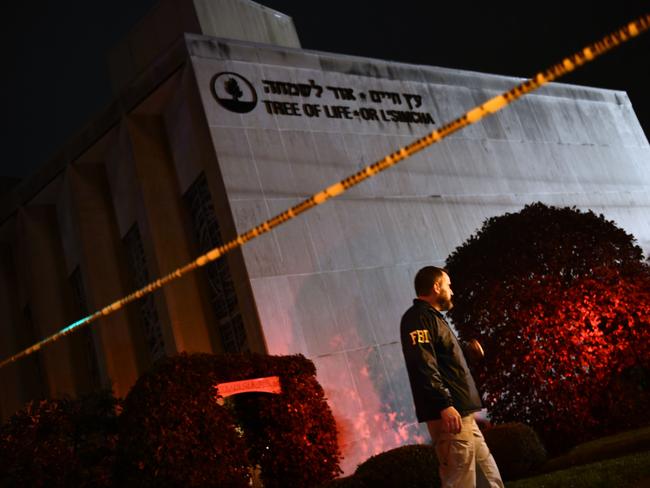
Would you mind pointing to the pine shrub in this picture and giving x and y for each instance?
(415, 466)
(516, 448)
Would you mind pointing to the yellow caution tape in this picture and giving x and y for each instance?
(493, 105)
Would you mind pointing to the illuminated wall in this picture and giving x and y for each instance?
(333, 283)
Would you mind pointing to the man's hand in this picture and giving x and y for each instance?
(450, 420)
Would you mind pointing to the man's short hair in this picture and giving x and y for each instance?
(425, 278)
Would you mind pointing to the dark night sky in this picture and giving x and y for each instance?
(54, 53)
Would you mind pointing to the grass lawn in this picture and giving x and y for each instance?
(621, 472)
(604, 448)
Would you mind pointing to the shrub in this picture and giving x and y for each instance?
(60, 442)
(560, 300)
(516, 449)
(95, 417)
(413, 466)
(174, 433)
(36, 447)
(292, 436)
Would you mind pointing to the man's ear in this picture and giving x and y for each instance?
(436, 287)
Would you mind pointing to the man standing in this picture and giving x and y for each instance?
(443, 389)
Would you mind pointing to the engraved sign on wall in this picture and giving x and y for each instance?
(314, 100)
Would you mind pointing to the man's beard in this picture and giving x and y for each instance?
(445, 303)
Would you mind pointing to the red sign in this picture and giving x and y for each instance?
(269, 384)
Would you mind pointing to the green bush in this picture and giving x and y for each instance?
(414, 466)
(292, 436)
(61, 442)
(560, 301)
(516, 449)
(173, 432)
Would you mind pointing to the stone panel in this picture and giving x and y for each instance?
(282, 334)
(238, 168)
(334, 375)
(186, 329)
(311, 307)
(354, 328)
(329, 238)
(121, 348)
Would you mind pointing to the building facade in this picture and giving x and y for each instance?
(209, 136)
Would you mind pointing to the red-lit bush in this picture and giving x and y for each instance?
(560, 301)
(173, 433)
(292, 436)
(571, 355)
(531, 247)
(36, 446)
(60, 443)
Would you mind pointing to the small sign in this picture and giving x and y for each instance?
(268, 384)
(233, 92)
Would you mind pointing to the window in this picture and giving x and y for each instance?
(220, 284)
(148, 313)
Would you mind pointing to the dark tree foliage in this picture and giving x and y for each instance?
(537, 244)
(413, 466)
(575, 367)
(560, 300)
(173, 432)
(292, 436)
(61, 443)
(516, 448)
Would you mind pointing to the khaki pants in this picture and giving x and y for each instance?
(464, 458)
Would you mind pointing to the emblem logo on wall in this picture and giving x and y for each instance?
(233, 92)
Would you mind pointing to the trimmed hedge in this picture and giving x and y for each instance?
(61, 443)
(415, 466)
(292, 436)
(560, 301)
(516, 449)
(173, 432)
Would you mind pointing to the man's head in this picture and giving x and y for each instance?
(434, 286)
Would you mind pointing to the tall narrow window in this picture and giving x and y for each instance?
(34, 371)
(149, 315)
(79, 292)
(221, 287)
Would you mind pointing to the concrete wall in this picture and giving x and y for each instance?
(168, 20)
(333, 283)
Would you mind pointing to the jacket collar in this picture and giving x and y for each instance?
(426, 305)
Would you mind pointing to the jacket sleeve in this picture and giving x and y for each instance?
(425, 363)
